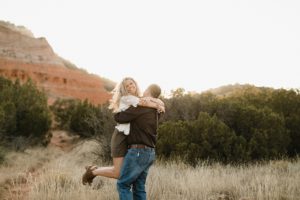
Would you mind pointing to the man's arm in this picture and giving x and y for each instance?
(130, 114)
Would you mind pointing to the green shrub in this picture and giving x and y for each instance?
(63, 110)
(87, 120)
(2, 155)
(203, 138)
(23, 111)
(83, 118)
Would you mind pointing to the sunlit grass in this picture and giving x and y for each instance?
(58, 176)
(275, 180)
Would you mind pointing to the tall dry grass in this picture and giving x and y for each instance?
(275, 180)
(59, 178)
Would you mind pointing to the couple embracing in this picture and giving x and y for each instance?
(133, 141)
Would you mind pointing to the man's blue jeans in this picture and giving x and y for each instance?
(134, 171)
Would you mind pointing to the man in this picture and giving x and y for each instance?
(141, 153)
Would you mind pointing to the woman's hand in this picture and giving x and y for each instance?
(161, 109)
(143, 101)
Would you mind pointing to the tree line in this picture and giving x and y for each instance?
(248, 124)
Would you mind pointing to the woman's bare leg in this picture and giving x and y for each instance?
(111, 171)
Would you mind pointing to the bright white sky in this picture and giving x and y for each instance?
(196, 45)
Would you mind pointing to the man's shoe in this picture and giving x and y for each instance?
(88, 176)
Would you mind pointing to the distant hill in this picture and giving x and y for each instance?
(23, 56)
(228, 90)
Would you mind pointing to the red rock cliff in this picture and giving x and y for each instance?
(23, 56)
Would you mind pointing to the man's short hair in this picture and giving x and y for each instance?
(155, 90)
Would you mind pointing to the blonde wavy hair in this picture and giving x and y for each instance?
(120, 91)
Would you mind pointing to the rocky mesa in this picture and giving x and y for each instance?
(23, 56)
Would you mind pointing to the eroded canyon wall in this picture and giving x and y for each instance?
(23, 56)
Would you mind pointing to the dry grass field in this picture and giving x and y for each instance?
(52, 174)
